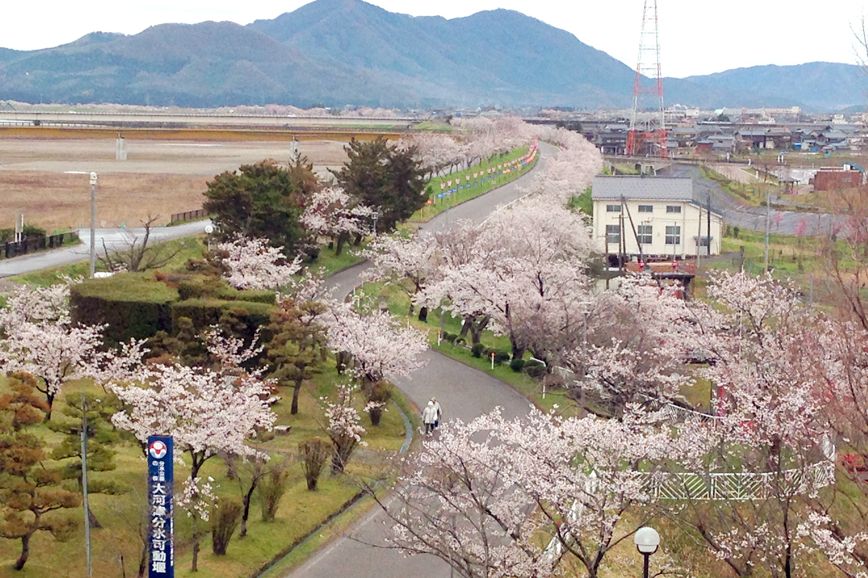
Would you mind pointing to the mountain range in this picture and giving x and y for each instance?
(337, 52)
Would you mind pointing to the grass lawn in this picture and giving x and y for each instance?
(435, 126)
(475, 188)
(328, 263)
(583, 203)
(790, 256)
(117, 545)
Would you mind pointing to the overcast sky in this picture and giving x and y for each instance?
(696, 36)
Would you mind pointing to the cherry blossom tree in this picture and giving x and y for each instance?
(436, 152)
(344, 427)
(765, 344)
(525, 271)
(333, 213)
(37, 304)
(453, 249)
(378, 344)
(635, 341)
(38, 337)
(251, 263)
(207, 410)
(479, 496)
(408, 262)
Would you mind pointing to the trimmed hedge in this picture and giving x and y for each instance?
(209, 287)
(206, 312)
(132, 305)
(136, 305)
(516, 364)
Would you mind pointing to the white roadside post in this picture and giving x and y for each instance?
(93, 181)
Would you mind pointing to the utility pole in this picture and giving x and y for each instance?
(768, 224)
(84, 494)
(699, 236)
(622, 242)
(708, 221)
(93, 181)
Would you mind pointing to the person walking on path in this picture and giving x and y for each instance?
(438, 412)
(429, 416)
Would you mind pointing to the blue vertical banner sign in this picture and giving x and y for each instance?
(160, 527)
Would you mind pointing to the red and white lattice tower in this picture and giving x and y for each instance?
(647, 134)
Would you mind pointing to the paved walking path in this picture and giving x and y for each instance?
(114, 239)
(464, 393)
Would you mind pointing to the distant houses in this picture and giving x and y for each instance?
(720, 140)
(652, 218)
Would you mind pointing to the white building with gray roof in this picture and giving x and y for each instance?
(652, 217)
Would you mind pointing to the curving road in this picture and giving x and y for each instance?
(464, 393)
(113, 238)
(739, 214)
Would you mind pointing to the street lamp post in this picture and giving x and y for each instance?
(647, 540)
(93, 181)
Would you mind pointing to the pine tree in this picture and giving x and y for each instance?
(262, 200)
(389, 180)
(29, 488)
(298, 347)
(100, 438)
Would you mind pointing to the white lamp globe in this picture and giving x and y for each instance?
(647, 540)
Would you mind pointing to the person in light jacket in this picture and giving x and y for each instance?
(429, 416)
(438, 412)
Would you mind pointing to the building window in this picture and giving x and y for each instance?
(646, 208)
(673, 235)
(644, 234)
(613, 234)
(673, 208)
(613, 208)
(704, 241)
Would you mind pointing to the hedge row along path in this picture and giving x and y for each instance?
(465, 393)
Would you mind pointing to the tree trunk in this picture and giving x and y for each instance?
(94, 522)
(194, 567)
(475, 334)
(194, 468)
(245, 513)
(465, 327)
(25, 552)
(143, 560)
(376, 413)
(423, 314)
(358, 239)
(339, 247)
(296, 389)
(50, 398)
(337, 463)
(517, 351)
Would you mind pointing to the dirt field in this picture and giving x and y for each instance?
(42, 179)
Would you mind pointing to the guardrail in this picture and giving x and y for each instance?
(185, 216)
(32, 244)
